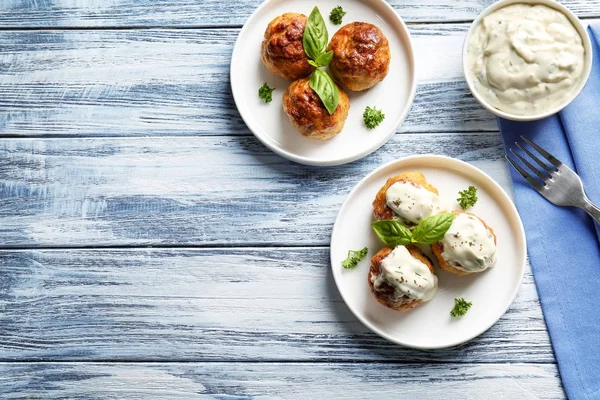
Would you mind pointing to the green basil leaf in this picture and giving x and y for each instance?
(326, 89)
(313, 63)
(432, 229)
(392, 233)
(315, 36)
(323, 59)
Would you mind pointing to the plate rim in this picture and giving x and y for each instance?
(461, 164)
(340, 160)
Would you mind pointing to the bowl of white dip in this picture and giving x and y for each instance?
(525, 60)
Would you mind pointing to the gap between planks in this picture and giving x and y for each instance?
(203, 135)
(212, 246)
(206, 26)
(272, 362)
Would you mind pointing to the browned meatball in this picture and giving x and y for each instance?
(282, 51)
(309, 116)
(381, 211)
(361, 56)
(385, 292)
(438, 249)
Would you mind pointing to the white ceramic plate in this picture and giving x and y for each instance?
(430, 325)
(269, 123)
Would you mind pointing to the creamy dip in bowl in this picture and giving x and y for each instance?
(526, 59)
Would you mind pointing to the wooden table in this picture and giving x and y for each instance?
(153, 248)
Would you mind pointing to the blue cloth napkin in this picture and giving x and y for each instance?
(563, 243)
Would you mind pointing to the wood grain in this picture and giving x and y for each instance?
(250, 304)
(192, 191)
(278, 381)
(176, 82)
(85, 13)
(237, 318)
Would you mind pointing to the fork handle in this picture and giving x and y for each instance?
(592, 210)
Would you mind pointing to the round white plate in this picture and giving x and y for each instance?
(269, 123)
(430, 325)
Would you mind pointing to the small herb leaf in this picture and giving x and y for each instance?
(354, 257)
(313, 63)
(432, 229)
(326, 89)
(392, 233)
(324, 59)
(373, 117)
(467, 198)
(336, 15)
(315, 35)
(266, 93)
(461, 306)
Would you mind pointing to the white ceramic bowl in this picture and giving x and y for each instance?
(576, 90)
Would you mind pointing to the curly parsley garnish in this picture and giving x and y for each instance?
(336, 15)
(354, 257)
(461, 306)
(373, 117)
(467, 198)
(266, 93)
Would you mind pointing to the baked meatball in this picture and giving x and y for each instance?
(468, 247)
(309, 116)
(361, 56)
(282, 50)
(402, 278)
(408, 197)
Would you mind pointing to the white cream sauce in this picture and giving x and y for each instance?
(412, 203)
(409, 276)
(525, 59)
(469, 245)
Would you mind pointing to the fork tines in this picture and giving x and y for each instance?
(546, 170)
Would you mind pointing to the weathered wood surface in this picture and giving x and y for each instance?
(128, 13)
(150, 150)
(249, 304)
(176, 82)
(192, 191)
(278, 381)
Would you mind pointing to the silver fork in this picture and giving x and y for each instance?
(558, 183)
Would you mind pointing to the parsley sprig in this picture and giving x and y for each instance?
(336, 15)
(373, 117)
(354, 257)
(467, 198)
(461, 306)
(266, 93)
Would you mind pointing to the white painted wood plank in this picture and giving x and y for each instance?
(176, 82)
(279, 381)
(193, 191)
(84, 13)
(249, 304)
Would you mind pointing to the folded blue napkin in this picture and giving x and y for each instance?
(563, 243)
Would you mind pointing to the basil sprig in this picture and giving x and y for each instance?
(432, 229)
(326, 88)
(315, 40)
(429, 231)
(315, 45)
(392, 233)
